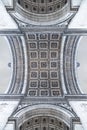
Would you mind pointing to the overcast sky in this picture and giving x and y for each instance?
(82, 59)
(5, 58)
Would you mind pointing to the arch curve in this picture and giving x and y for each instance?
(46, 15)
(41, 110)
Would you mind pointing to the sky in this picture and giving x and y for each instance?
(81, 57)
(5, 58)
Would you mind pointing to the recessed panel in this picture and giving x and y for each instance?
(44, 123)
(42, 6)
(44, 63)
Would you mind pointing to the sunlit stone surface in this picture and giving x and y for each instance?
(8, 2)
(80, 107)
(79, 21)
(6, 22)
(6, 109)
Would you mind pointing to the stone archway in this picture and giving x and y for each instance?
(28, 115)
(44, 123)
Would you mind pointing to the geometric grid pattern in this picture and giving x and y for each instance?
(44, 123)
(42, 6)
(43, 58)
